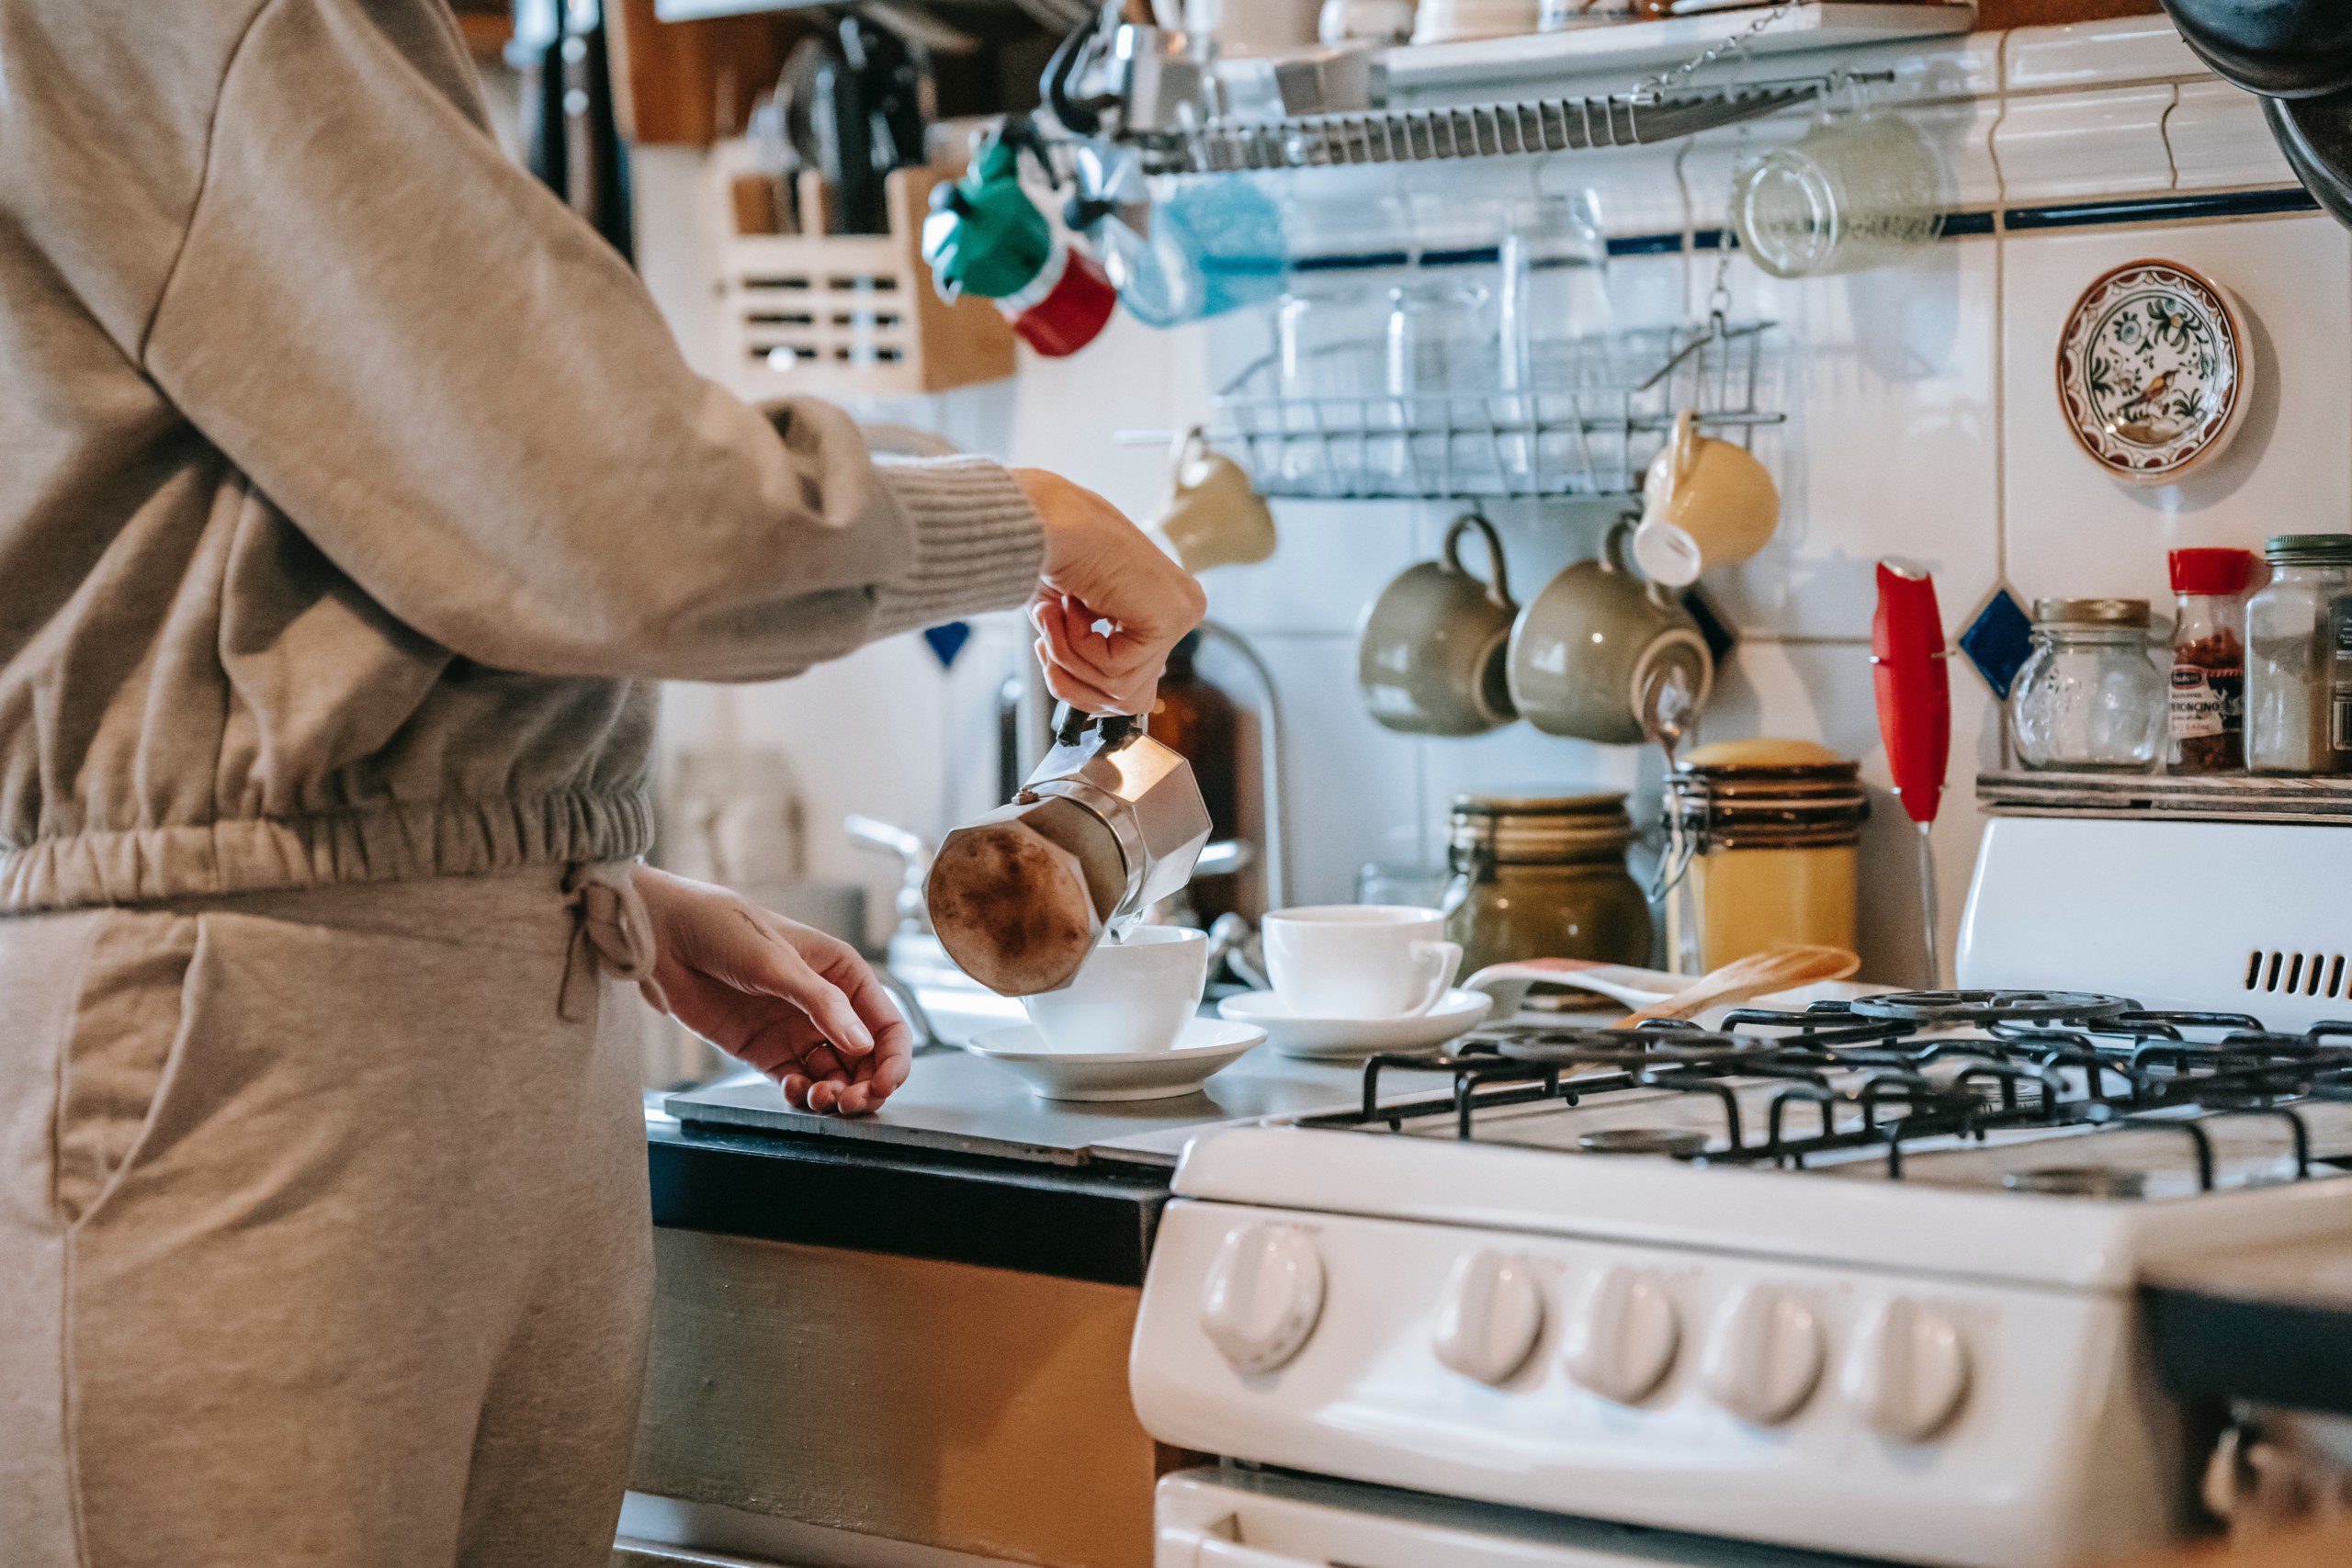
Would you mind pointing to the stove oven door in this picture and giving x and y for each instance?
(1240, 1519)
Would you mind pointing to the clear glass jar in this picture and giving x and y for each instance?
(2091, 694)
(2288, 661)
(1543, 877)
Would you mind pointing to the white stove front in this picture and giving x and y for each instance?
(1921, 1419)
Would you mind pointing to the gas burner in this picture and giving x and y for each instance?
(1931, 1009)
(1676, 1142)
(1678, 1046)
(2078, 1181)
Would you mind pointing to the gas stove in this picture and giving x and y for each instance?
(2065, 1094)
(1856, 1278)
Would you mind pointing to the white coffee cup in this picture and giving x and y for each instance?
(1359, 960)
(1135, 995)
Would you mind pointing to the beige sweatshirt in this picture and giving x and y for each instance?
(350, 489)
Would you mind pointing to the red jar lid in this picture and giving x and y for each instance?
(2211, 572)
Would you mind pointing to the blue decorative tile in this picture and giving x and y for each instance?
(1997, 641)
(947, 641)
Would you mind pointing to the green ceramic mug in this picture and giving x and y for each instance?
(1430, 654)
(1587, 648)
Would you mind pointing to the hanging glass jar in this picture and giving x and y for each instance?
(1543, 877)
(1765, 838)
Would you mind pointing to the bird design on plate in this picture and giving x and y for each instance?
(2152, 370)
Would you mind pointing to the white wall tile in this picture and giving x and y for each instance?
(1332, 558)
(1886, 377)
(2218, 140)
(1356, 790)
(2080, 145)
(2084, 54)
(1967, 66)
(2073, 529)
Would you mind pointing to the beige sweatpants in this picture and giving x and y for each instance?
(323, 1239)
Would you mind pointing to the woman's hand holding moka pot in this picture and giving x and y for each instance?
(1110, 603)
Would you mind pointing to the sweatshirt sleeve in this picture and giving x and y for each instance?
(468, 402)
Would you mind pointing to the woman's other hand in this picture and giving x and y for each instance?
(1109, 603)
(801, 1006)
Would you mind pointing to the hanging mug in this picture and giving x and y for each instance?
(1216, 516)
(1430, 652)
(1587, 652)
(1705, 503)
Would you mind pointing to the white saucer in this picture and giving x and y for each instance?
(1203, 1048)
(1353, 1039)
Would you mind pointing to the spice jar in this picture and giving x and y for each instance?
(1766, 847)
(2207, 707)
(2090, 694)
(2289, 665)
(1543, 876)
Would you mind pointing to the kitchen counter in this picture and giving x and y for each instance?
(964, 1164)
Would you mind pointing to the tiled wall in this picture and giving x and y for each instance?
(1922, 421)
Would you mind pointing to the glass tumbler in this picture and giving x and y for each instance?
(1442, 380)
(1557, 329)
(1855, 191)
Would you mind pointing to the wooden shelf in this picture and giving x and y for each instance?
(486, 36)
(2213, 797)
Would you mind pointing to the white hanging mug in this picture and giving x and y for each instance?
(1215, 516)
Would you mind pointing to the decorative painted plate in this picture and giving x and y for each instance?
(2152, 370)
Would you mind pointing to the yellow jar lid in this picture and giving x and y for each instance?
(1764, 754)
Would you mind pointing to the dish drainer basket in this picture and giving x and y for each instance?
(1588, 426)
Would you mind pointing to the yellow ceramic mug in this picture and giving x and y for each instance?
(1705, 503)
(1217, 517)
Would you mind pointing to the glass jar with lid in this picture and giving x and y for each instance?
(2287, 659)
(1543, 876)
(1766, 837)
(2090, 694)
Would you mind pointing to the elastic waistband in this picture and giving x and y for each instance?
(379, 843)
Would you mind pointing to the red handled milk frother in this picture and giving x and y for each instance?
(1910, 663)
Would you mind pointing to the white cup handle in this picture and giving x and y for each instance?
(1442, 960)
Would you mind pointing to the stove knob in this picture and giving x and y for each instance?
(1264, 1295)
(1493, 1312)
(1909, 1372)
(1622, 1340)
(1765, 1357)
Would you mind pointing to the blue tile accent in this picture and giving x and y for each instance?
(1996, 642)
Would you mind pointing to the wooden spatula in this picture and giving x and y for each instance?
(1758, 975)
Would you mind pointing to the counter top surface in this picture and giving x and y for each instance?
(966, 1104)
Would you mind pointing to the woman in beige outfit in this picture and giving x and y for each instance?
(350, 494)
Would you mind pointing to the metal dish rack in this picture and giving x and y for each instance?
(1593, 437)
(1469, 130)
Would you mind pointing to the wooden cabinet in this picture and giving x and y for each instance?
(2043, 13)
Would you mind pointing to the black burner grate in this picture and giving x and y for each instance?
(1884, 1074)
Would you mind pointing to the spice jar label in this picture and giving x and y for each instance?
(2206, 700)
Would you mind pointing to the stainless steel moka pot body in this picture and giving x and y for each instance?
(1111, 822)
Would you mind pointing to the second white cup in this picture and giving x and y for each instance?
(1359, 960)
(1135, 995)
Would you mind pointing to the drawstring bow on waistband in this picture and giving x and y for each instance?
(612, 934)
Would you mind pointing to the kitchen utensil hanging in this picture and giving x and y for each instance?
(1594, 440)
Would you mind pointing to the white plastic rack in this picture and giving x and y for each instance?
(1590, 431)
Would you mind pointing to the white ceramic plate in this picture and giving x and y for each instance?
(1206, 1047)
(1353, 1039)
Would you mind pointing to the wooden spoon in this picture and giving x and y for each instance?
(1758, 975)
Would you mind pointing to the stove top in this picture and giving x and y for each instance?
(2054, 1094)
